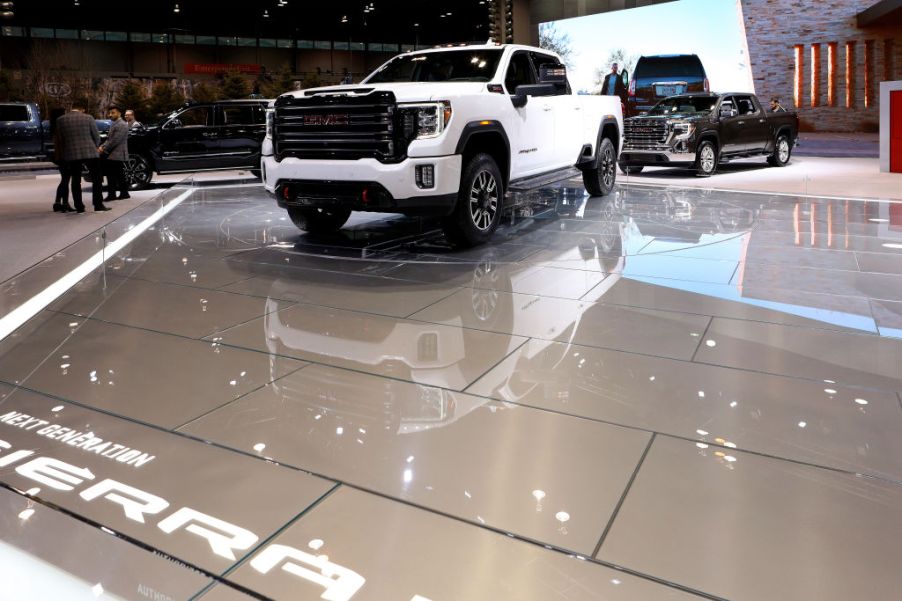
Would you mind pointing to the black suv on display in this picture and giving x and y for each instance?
(199, 137)
(657, 77)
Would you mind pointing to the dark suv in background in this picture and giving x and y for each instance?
(199, 137)
(657, 77)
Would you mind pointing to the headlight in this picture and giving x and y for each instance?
(270, 119)
(430, 118)
(682, 130)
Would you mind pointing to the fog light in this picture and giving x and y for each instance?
(425, 176)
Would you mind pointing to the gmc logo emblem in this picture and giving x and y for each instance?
(336, 119)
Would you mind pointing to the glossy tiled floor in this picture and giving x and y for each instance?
(663, 394)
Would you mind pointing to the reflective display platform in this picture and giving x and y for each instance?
(662, 394)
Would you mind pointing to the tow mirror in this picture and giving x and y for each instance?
(728, 112)
(625, 78)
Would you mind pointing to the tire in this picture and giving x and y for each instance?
(318, 221)
(477, 212)
(631, 169)
(706, 159)
(138, 172)
(600, 181)
(782, 152)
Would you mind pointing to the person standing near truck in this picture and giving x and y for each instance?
(79, 140)
(130, 119)
(61, 201)
(113, 154)
(613, 84)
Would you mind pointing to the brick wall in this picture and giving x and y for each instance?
(774, 28)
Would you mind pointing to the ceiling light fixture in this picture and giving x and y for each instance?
(176, 9)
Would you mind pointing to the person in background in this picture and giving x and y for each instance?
(113, 154)
(61, 202)
(775, 106)
(613, 84)
(79, 140)
(131, 121)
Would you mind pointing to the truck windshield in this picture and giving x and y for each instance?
(454, 65)
(683, 105)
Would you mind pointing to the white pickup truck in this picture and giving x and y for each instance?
(453, 132)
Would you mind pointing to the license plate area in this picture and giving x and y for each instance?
(669, 90)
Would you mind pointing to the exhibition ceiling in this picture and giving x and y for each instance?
(357, 19)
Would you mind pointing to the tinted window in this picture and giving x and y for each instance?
(13, 113)
(745, 105)
(455, 65)
(247, 114)
(519, 72)
(194, 117)
(549, 62)
(684, 105)
(669, 66)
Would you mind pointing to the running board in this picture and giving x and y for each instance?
(539, 181)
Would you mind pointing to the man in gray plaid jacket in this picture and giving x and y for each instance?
(114, 154)
(80, 139)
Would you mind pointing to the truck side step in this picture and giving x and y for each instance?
(543, 179)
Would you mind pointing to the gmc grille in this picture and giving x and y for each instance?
(340, 127)
(645, 134)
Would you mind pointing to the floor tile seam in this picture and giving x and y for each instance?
(148, 280)
(278, 532)
(147, 547)
(441, 513)
(857, 333)
(640, 275)
(540, 295)
(689, 439)
(454, 291)
(175, 429)
(761, 321)
(623, 495)
(830, 270)
(142, 328)
(525, 340)
(701, 339)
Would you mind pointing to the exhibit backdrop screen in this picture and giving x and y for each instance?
(712, 29)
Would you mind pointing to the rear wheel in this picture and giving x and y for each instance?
(631, 169)
(706, 159)
(318, 221)
(782, 152)
(137, 171)
(600, 181)
(479, 201)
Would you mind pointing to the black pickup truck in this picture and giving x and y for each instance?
(702, 130)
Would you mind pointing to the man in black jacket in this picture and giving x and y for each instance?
(79, 138)
(114, 154)
(613, 84)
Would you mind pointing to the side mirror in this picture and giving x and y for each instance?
(173, 123)
(625, 78)
(728, 113)
(519, 99)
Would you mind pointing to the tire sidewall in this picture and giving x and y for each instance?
(777, 161)
(461, 229)
(139, 183)
(698, 160)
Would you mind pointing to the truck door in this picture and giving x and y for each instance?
(532, 140)
(189, 141)
(241, 129)
(732, 129)
(755, 131)
(568, 117)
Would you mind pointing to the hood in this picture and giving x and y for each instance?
(407, 91)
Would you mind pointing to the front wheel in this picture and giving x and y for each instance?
(600, 181)
(706, 159)
(137, 172)
(631, 169)
(782, 152)
(479, 201)
(318, 221)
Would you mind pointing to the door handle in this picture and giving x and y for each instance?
(208, 135)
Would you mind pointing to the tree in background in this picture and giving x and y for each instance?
(625, 62)
(164, 99)
(132, 96)
(203, 92)
(282, 81)
(8, 89)
(234, 85)
(551, 38)
(311, 80)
